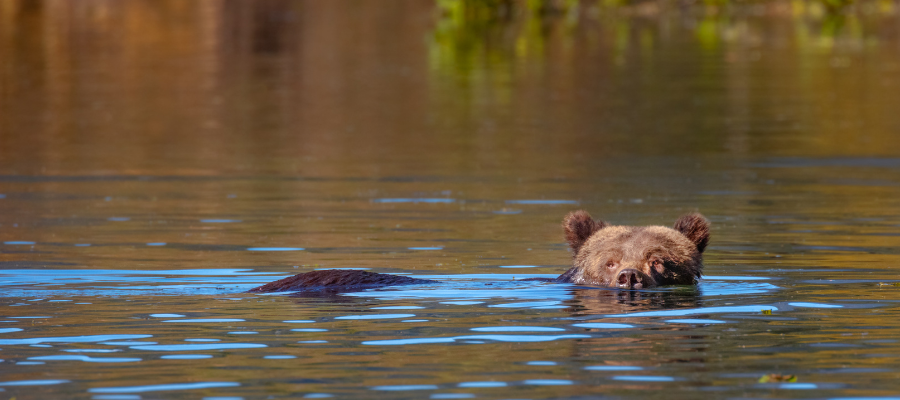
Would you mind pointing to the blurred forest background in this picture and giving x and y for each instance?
(272, 86)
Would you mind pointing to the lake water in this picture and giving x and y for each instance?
(158, 159)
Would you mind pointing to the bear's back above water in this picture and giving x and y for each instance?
(626, 257)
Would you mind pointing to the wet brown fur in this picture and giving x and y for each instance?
(653, 255)
(344, 279)
(660, 255)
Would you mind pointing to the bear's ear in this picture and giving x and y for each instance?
(579, 226)
(696, 228)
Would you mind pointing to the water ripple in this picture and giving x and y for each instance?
(198, 347)
(376, 316)
(85, 359)
(702, 310)
(170, 386)
(34, 382)
(498, 338)
(71, 339)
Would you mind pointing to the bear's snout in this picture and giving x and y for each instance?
(633, 279)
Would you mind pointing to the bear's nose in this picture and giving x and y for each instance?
(630, 279)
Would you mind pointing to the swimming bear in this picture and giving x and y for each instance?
(624, 257)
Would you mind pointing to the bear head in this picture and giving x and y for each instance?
(635, 257)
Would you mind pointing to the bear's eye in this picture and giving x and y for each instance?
(610, 264)
(657, 266)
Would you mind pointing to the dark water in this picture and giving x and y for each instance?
(158, 158)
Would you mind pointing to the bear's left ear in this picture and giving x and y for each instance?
(579, 226)
(696, 228)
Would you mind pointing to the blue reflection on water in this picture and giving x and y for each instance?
(710, 287)
(735, 278)
(636, 378)
(701, 310)
(695, 321)
(71, 339)
(547, 382)
(413, 200)
(170, 386)
(798, 386)
(405, 387)
(18, 242)
(20, 277)
(526, 304)
(205, 320)
(814, 305)
(376, 316)
(8, 330)
(127, 343)
(516, 329)
(199, 347)
(612, 368)
(541, 202)
(602, 325)
(487, 384)
(70, 357)
(185, 356)
(426, 248)
(498, 338)
(92, 350)
(275, 249)
(34, 382)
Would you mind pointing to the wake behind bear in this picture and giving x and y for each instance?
(624, 257)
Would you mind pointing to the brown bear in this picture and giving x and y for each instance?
(635, 257)
(625, 257)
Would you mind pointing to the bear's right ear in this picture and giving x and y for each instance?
(696, 228)
(579, 227)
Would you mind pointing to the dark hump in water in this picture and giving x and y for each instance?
(337, 280)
